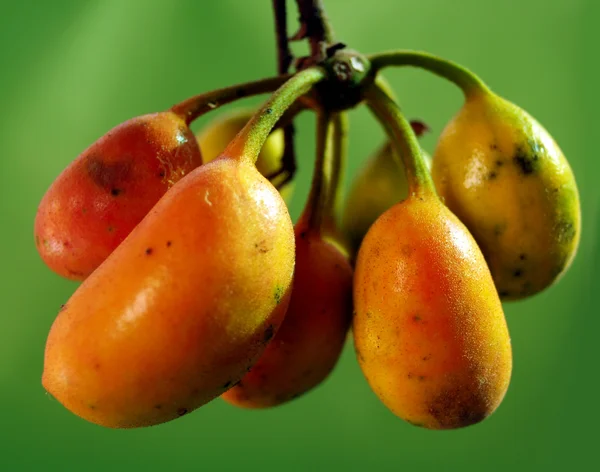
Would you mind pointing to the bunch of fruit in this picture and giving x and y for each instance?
(196, 284)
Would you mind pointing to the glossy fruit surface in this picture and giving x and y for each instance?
(182, 308)
(217, 134)
(429, 329)
(507, 180)
(310, 341)
(380, 184)
(101, 196)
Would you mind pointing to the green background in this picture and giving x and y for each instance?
(69, 71)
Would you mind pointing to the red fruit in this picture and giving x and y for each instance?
(101, 196)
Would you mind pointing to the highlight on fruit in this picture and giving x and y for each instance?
(197, 285)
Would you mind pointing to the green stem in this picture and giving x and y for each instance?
(464, 78)
(196, 106)
(315, 209)
(250, 140)
(338, 168)
(403, 139)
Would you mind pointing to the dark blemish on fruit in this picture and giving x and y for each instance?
(303, 234)
(161, 174)
(526, 163)
(37, 240)
(108, 176)
(158, 407)
(499, 229)
(522, 257)
(493, 146)
(96, 366)
(92, 407)
(359, 354)
(410, 375)
(367, 314)
(499, 163)
(115, 192)
(227, 384)
(455, 407)
(66, 244)
(492, 175)
(261, 246)
(169, 243)
(426, 358)
(111, 229)
(46, 243)
(565, 231)
(84, 211)
(62, 307)
(278, 295)
(518, 273)
(417, 319)
(269, 333)
(421, 378)
(182, 411)
(149, 251)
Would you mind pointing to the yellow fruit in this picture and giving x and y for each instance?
(507, 180)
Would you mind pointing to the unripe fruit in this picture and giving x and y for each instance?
(507, 180)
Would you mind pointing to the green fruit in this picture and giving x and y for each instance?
(379, 185)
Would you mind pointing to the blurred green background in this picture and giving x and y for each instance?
(71, 70)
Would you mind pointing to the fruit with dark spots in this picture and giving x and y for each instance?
(113, 184)
(533, 197)
(217, 134)
(379, 185)
(452, 367)
(195, 314)
(310, 340)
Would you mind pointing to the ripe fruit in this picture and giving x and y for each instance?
(429, 330)
(102, 195)
(182, 308)
(314, 330)
(216, 136)
(507, 180)
(379, 185)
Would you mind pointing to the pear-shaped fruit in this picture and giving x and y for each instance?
(313, 333)
(380, 184)
(507, 180)
(429, 329)
(215, 137)
(101, 196)
(182, 308)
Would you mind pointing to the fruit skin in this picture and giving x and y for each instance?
(312, 336)
(429, 329)
(217, 134)
(182, 308)
(380, 184)
(507, 180)
(101, 196)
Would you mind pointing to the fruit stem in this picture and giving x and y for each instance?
(251, 138)
(284, 61)
(459, 75)
(315, 210)
(315, 26)
(338, 169)
(196, 106)
(403, 139)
